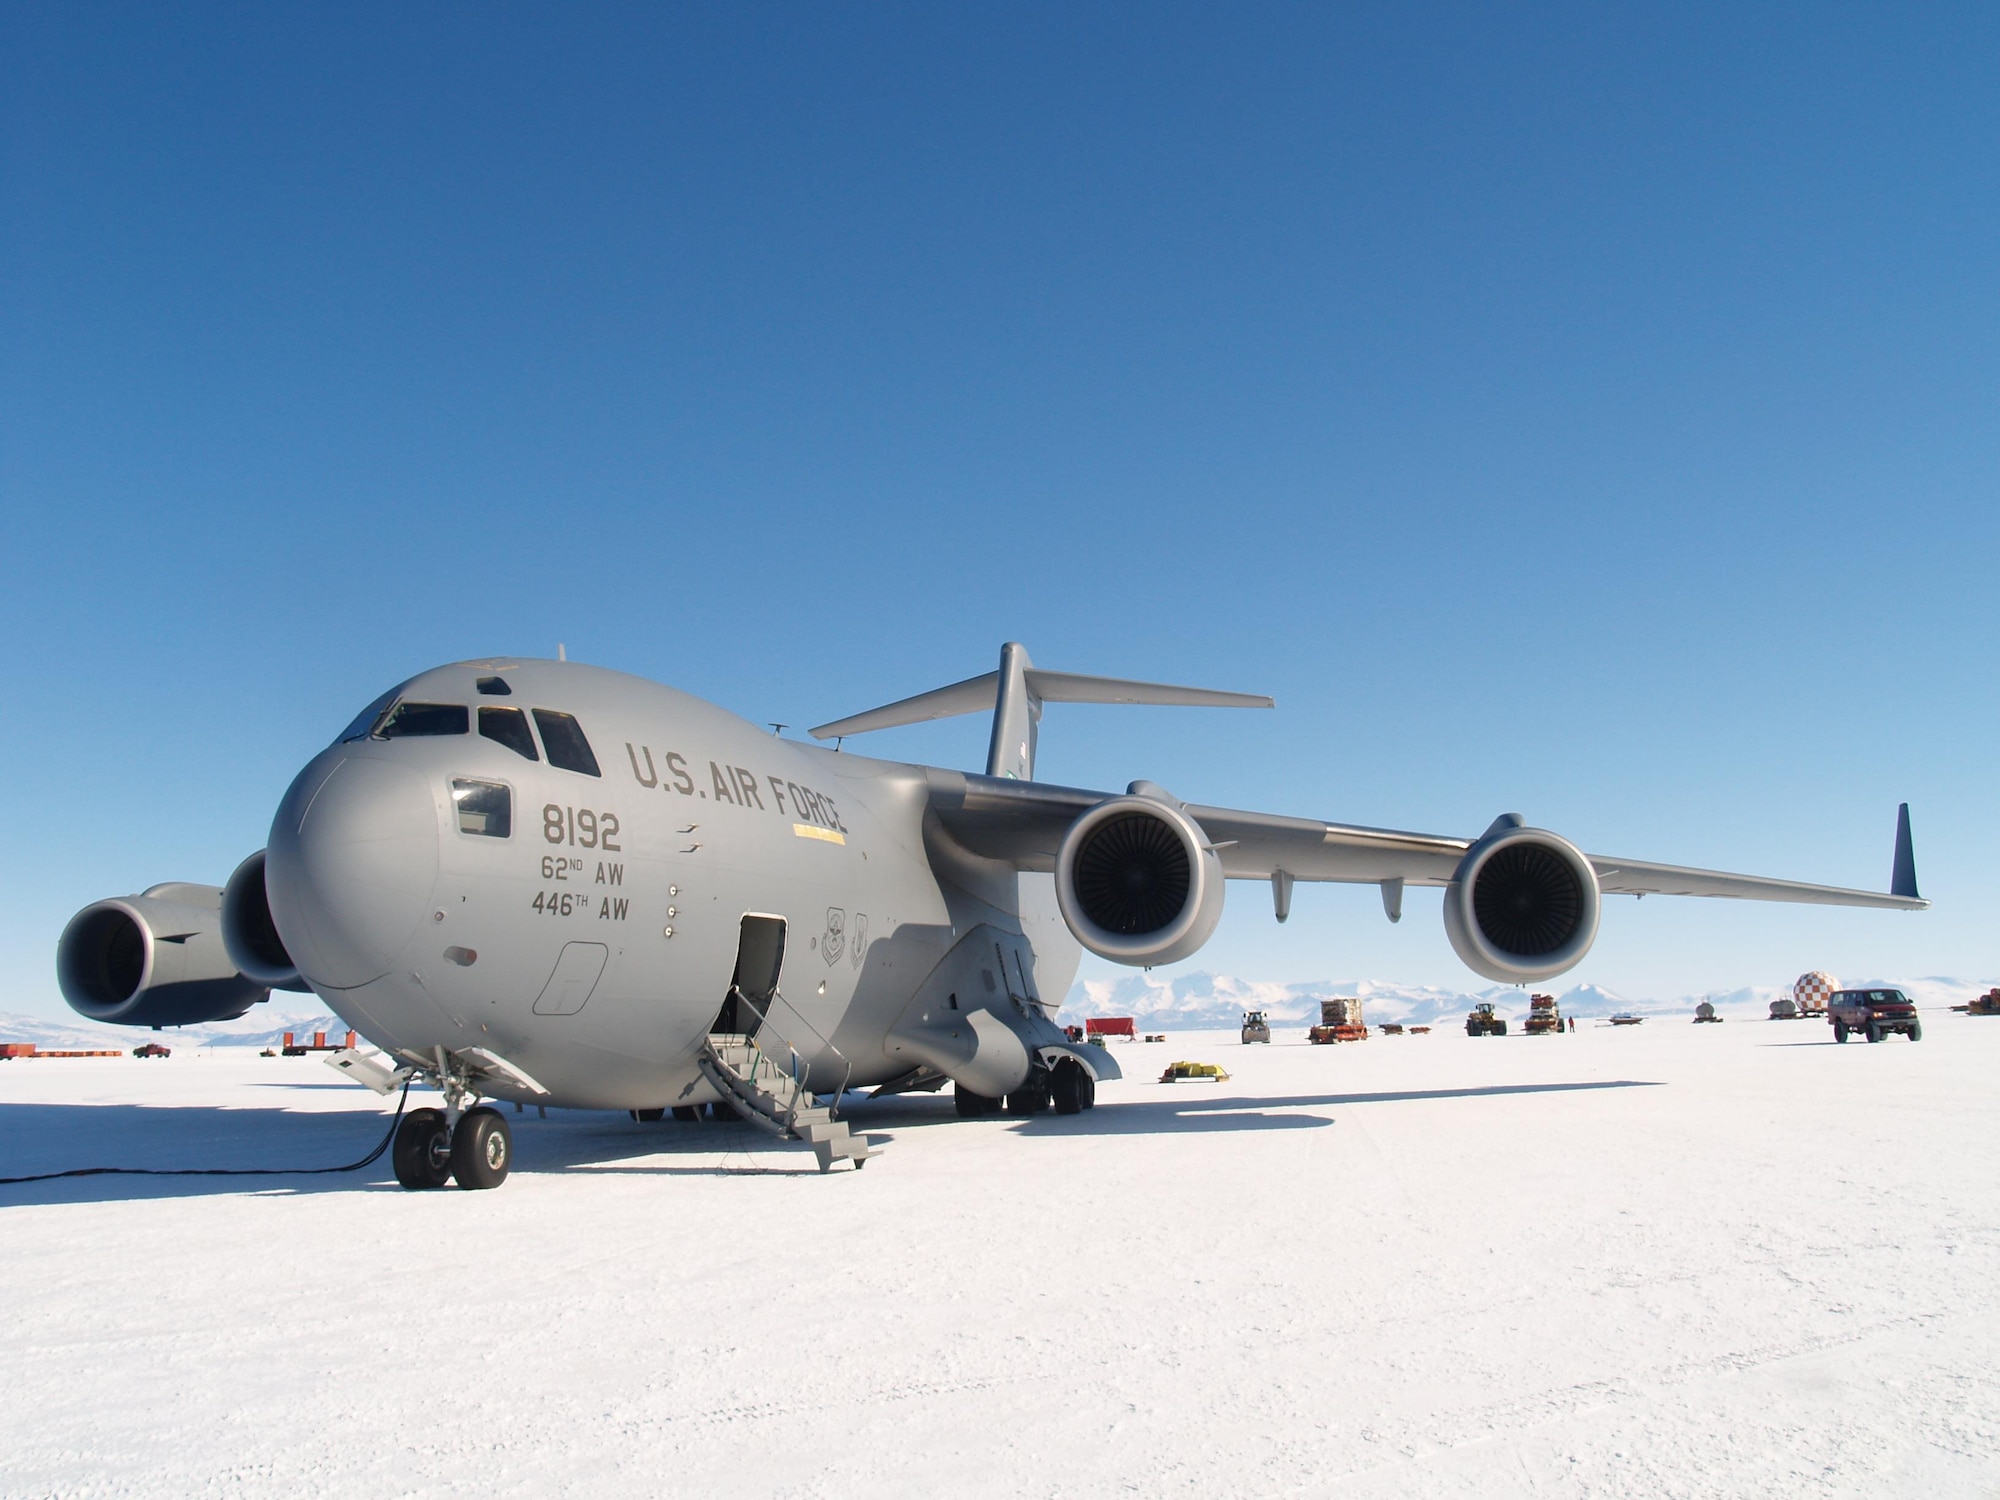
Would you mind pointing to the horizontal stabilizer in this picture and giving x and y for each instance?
(971, 696)
(976, 694)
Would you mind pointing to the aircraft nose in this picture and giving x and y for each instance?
(351, 867)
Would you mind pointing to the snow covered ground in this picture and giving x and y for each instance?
(1667, 1260)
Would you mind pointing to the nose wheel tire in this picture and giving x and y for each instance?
(482, 1149)
(421, 1154)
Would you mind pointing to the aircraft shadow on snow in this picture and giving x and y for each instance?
(55, 1137)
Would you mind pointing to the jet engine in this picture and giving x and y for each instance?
(1138, 882)
(1522, 905)
(155, 959)
(249, 934)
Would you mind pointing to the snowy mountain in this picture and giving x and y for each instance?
(264, 1026)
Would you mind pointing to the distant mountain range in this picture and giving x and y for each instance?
(1201, 1002)
(264, 1026)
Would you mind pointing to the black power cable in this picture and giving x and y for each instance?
(353, 1166)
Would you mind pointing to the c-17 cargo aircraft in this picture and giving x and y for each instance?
(546, 882)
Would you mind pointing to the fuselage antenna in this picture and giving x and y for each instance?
(562, 653)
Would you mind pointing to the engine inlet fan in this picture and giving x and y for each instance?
(1527, 899)
(1132, 875)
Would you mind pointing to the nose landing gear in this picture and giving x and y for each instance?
(429, 1151)
(465, 1140)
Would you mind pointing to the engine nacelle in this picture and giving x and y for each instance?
(1138, 883)
(155, 959)
(1522, 905)
(249, 934)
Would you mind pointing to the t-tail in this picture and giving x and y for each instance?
(1017, 691)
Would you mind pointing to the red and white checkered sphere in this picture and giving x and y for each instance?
(1813, 990)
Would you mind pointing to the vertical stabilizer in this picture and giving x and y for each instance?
(1017, 716)
(1903, 877)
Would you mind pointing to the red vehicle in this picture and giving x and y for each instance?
(1873, 1013)
(151, 1049)
(1111, 1026)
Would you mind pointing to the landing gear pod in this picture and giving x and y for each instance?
(155, 959)
(1523, 904)
(1137, 881)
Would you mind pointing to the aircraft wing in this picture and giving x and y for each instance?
(1022, 823)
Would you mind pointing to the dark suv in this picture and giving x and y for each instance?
(1873, 1013)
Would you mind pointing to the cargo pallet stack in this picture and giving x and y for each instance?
(1339, 1021)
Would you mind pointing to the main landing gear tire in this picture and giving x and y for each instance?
(482, 1149)
(1027, 1101)
(1070, 1089)
(972, 1106)
(1840, 1031)
(687, 1113)
(422, 1152)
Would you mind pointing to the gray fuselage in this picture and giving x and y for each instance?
(594, 942)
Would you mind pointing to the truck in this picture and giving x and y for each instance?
(1255, 1027)
(1480, 1021)
(1339, 1021)
(1543, 1017)
(1873, 1013)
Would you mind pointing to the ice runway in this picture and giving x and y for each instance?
(1665, 1260)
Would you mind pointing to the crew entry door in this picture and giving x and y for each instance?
(760, 955)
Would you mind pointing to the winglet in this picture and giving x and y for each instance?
(1903, 877)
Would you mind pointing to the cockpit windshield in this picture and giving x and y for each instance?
(409, 720)
(563, 738)
(509, 727)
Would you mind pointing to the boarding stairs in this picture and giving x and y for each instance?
(766, 1079)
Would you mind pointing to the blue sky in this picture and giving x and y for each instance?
(1581, 411)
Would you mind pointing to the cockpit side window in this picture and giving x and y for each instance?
(365, 720)
(407, 720)
(509, 727)
(484, 807)
(563, 738)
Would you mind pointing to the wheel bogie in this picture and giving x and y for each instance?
(972, 1106)
(1069, 1086)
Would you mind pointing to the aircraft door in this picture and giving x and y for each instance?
(760, 955)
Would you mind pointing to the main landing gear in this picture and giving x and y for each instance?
(1068, 1086)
